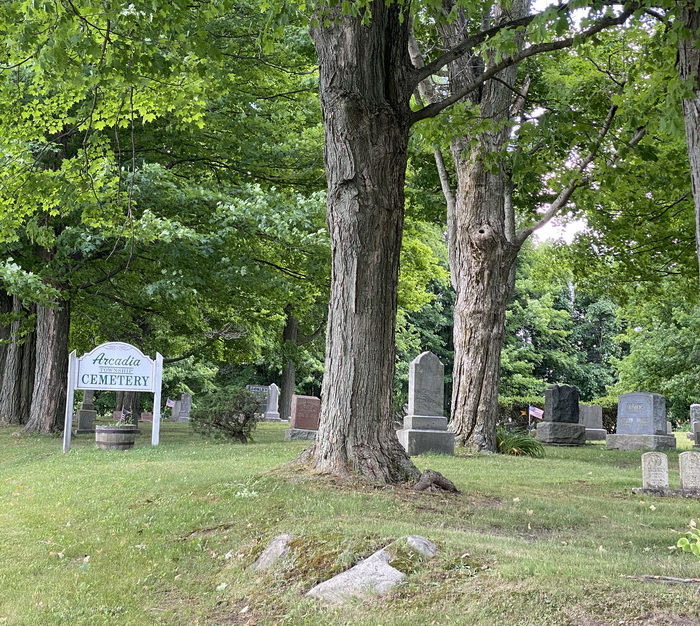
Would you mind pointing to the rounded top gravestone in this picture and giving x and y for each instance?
(426, 385)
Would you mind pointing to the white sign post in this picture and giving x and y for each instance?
(114, 366)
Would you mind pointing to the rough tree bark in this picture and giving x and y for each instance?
(290, 336)
(482, 245)
(49, 398)
(5, 308)
(131, 401)
(364, 100)
(12, 372)
(689, 70)
(18, 374)
(26, 388)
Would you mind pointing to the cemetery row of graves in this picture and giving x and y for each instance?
(641, 417)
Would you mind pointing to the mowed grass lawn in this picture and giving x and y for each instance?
(167, 535)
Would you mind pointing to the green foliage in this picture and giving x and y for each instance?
(555, 332)
(664, 340)
(518, 442)
(690, 542)
(228, 413)
(513, 410)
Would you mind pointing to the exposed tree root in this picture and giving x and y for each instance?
(432, 481)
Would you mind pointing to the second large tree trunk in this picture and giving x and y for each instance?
(49, 397)
(689, 70)
(481, 271)
(364, 100)
(482, 250)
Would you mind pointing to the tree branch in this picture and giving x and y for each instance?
(284, 270)
(565, 195)
(216, 336)
(606, 22)
(125, 303)
(106, 277)
(467, 44)
(309, 338)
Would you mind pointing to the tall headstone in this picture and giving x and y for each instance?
(185, 407)
(689, 464)
(654, 470)
(694, 418)
(175, 412)
(425, 426)
(303, 424)
(641, 423)
(694, 414)
(86, 414)
(560, 425)
(591, 417)
(273, 401)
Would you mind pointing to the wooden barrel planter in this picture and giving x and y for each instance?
(115, 437)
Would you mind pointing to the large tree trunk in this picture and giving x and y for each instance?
(482, 273)
(12, 372)
(26, 388)
(131, 401)
(364, 100)
(49, 397)
(5, 330)
(290, 336)
(689, 70)
(482, 248)
(17, 377)
(287, 388)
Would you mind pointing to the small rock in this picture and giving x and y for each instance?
(422, 545)
(371, 577)
(276, 550)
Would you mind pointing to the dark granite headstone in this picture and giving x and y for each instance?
(261, 392)
(561, 404)
(86, 414)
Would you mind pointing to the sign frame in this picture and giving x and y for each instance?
(117, 372)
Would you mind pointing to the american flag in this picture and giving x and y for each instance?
(533, 411)
(170, 403)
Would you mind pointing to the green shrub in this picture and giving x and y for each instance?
(229, 413)
(518, 442)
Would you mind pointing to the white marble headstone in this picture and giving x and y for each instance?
(689, 463)
(654, 470)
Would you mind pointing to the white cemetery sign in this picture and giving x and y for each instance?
(114, 366)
